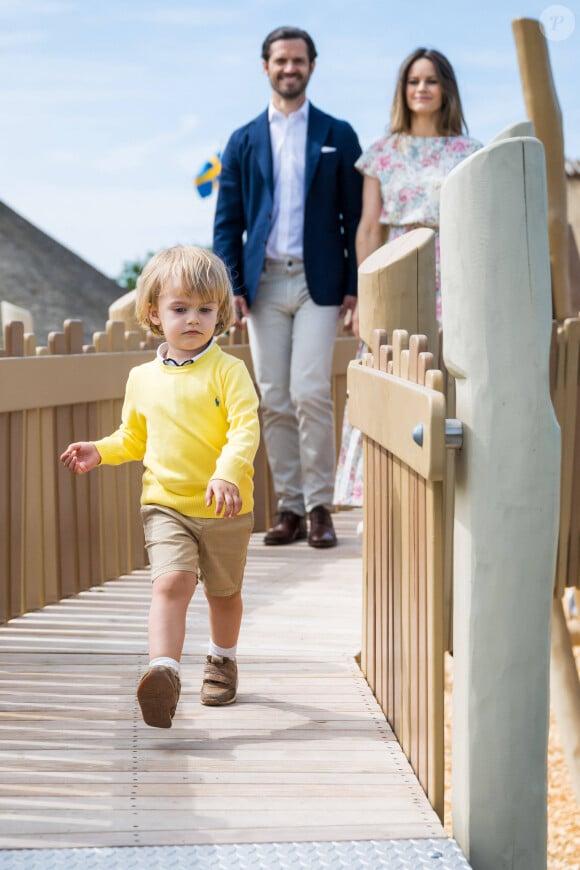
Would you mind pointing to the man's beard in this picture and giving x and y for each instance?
(290, 87)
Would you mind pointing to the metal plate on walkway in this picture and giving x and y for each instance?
(359, 855)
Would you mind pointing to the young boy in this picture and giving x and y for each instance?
(191, 415)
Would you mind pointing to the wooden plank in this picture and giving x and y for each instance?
(385, 355)
(433, 776)
(426, 361)
(95, 571)
(43, 381)
(367, 513)
(95, 376)
(404, 734)
(15, 477)
(108, 500)
(79, 424)
(48, 505)
(417, 345)
(370, 566)
(379, 341)
(568, 347)
(400, 342)
(404, 407)
(32, 543)
(574, 552)
(5, 517)
(67, 542)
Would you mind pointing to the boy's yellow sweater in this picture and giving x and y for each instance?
(188, 424)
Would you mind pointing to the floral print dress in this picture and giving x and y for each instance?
(410, 171)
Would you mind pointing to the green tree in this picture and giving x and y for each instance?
(131, 271)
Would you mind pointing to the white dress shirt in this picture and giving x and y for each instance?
(288, 138)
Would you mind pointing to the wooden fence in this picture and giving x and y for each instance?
(404, 462)
(61, 533)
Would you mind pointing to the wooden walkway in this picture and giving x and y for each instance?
(305, 755)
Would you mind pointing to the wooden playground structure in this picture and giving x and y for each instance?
(472, 477)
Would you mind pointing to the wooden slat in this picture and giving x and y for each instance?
(434, 540)
(385, 355)
(96, 570)
(567, 387)
(15, 476)
(48, 505)
(370, 578)
(405, 580)
(108, 499)
(67, 542)
(32, 545)
(425, 362)
(5, 519)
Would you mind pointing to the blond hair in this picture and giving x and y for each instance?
(198, 271)
(450, 121)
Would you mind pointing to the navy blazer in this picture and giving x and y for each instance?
(331, 213)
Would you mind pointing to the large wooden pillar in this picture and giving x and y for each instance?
(497, 324)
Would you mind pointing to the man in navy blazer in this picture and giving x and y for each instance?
(288, 207)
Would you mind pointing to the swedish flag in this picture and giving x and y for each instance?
(207, 179)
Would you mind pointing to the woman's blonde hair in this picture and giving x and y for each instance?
(198, 271)
(450, 121)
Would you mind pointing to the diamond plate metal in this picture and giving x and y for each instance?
(351, 855)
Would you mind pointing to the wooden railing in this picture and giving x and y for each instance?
(404, 467)
(59, 533)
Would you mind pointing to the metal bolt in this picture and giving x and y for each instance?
(453, 434)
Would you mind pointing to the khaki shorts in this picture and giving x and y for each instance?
(214, 549)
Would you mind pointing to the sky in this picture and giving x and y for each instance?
(109, 109)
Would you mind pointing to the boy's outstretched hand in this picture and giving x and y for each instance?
(81, 457)
(227, 497)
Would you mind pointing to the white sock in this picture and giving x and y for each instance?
(166, 662)
(215, 650)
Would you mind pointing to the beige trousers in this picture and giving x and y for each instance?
(292, 344)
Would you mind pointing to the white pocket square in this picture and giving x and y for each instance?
(327, 149)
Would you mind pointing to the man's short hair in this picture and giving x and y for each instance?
(288, 33)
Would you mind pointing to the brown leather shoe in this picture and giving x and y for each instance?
(220, 682)
(289, 528)
(158, 694)
(322, 532)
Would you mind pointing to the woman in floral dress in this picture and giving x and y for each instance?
(403, 173)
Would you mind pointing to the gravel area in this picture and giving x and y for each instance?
(563, 810)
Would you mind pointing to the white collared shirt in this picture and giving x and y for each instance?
(164, 347)
(288, 139)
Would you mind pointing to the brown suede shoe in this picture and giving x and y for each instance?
(289, 528)
(220, 682)
(158, 693)
(322, 534)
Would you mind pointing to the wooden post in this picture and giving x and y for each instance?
(396, 288)
(544, 110)
(565, 693)
(497, 326)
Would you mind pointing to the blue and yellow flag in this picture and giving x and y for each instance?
(207, 179)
